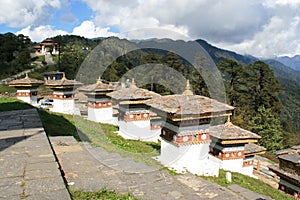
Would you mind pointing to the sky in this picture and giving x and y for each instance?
(262, 28)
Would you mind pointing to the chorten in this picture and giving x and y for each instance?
(27, 89)
(134, 117)
(234, 147)
(185, 136)
(99, 104)
(63, 94)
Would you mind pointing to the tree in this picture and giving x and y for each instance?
(267, 125)
(233, 73)
(263, 87)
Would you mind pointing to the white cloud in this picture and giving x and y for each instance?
(40, 33)
(86, 29)
(214, 20)
(262, 28)
(259, 27)
(89, 30)
(25, 13)
(280, 36)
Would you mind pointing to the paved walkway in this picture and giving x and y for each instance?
(92, 168)
(28, 169)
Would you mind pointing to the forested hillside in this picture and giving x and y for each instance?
(14, 54)
(265, 104)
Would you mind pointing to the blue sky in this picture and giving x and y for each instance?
(263, 28)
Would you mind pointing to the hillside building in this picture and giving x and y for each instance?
(53, 75)
(47, 46)
(288, 170)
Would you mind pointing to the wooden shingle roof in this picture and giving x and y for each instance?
(97, 87)
(62, 83)
(252, 148)
(26, 82)
(228, 134)
(188, 104)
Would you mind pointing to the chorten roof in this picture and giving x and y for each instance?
(188, 104)
(62, 83)
(97, 87)
(26, 82)
(132, 93)
(185, 105)
(231, 134)
(293, 157)
(251, 149)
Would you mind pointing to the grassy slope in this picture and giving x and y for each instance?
(7, 104)
(7, 89)
(248, 183)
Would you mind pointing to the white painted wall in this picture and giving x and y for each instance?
(102, 115)
(63, 106)
(137, 130)
(248, 170)
(28, 99)
(193, 158)
(234, 165)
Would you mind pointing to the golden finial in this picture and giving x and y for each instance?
(228, 123)
(26, 76)
(132, 84)
(64, 76)
(99, 81)
(188, 91)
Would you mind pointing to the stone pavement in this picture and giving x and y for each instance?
(28, 169)
(247, 193)
(91, 168)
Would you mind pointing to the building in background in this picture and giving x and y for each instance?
(288, 170)
(47, 47)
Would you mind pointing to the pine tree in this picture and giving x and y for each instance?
(232, 72)
(263, 87)
(267, 125)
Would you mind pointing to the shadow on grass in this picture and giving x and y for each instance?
(56, 124)
(7, 104)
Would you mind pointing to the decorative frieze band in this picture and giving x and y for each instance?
(26, 94)
(231, 155)
(136, 116)
(63, 96)
(247, 163)
(193, 138)
(99, 104)
(155, 126)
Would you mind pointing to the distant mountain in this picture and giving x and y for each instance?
(218, 54)
(292, 62)
(280, 70)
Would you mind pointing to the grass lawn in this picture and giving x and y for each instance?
(103, 135)
(102, 194)
(8, 103)
(248, 183)
(7, 89)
